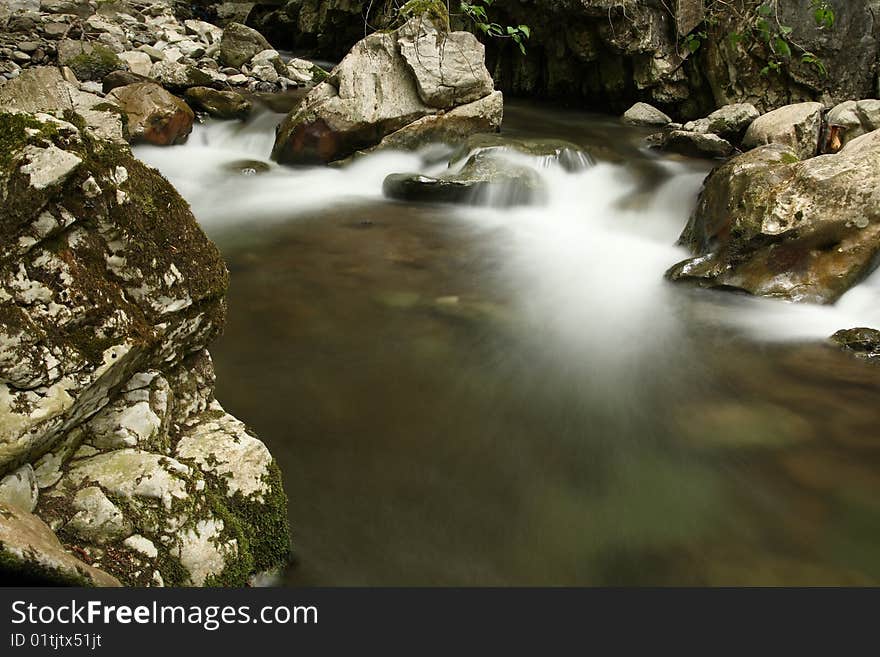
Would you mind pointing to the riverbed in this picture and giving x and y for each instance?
(479, 395)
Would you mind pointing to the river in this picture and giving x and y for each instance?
(475, 395)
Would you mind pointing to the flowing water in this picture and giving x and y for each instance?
(479, 395)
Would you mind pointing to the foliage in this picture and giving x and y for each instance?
(476, 11)
(762, 26)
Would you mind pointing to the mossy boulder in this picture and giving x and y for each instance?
(239, 44)
(772, 225)
(88, 60)
(109, 294)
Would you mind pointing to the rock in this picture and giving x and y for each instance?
(88, 60)
(771, 225)
(449, 69)
(154, 115)
(696, 144)
(853, 118)
(486, 179)
(453, 127)
(731, 121)
(109, 294)
(546, 152)
(96, 518)
(862, 342)
(30, 553)
(44, 89)
(178, 77)
(19, 489)
(137, 62)
(797, 126)
(219, 104)
(154, 54)
(374, 93)
(206, 32)
(121, 79)
(642, 114)
(239, 44)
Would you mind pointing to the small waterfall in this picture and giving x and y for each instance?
(586, 240)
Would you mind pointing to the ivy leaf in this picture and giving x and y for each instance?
(525, 29)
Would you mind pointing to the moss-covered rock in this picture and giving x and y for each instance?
(771, 225)
(109, 293)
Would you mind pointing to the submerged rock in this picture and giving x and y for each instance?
(771, 225)
(548, 152)
(796, 126)
(485, 179)
(381, 87)
(862, 342)
(154, 115)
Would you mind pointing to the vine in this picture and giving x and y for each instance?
(762, 25)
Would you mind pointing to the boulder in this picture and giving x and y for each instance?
(796, 126)
(154, 115)
(219, 104)
(44, 89)
(179, 77)
(731, 121)
(88, 60)
(120, 79)
(30, 553)
(448, 71)
(374, 92)
(771, 225)
(239, 44)
(696, 144)
(136, 61)
(109, 294)
(851, 119)
(643, 114)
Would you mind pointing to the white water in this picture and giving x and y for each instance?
(587, 267)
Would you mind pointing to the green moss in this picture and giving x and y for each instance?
(319, 74)
(28, 572)
(434, 9)
(789, 158)
(95, 63)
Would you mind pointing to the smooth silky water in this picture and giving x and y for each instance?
(474, 395)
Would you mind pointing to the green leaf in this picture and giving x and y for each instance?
(764, 10)
(693, 45)
(781, 46)
(785, 30)
(525, 29)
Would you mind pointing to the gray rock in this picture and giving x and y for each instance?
(696, 144)
(731, 121)
(853, 118)
(449, 68)
(642, 114)
(28, 547)
(239, 44)
(796, 126)
(19, 489)
(371, 94)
